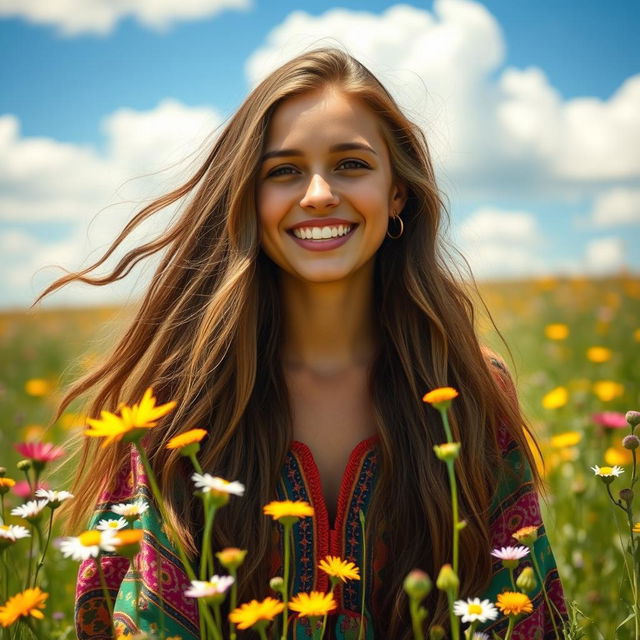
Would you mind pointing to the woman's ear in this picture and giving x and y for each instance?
(400, 195)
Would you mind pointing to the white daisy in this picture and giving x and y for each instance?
(55, 498)
(12, 532)
(30, 510)
(206, 482)
(130, 510)
(207, 589)
(88, 544)
(608, 472)
(478, 635)
(111, 524)
(510, 553)
(475, 610)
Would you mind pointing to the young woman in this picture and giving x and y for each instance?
(302, 308)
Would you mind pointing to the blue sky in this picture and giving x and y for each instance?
(533, 109)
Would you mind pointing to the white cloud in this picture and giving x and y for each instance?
(502, 243)
(616, 207)
(75, 17)
(604, 256)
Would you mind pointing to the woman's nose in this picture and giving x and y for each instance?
(319, 193)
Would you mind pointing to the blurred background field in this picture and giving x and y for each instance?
(551, 326)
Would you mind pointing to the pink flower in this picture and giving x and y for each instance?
(610, 419)
(23, 490)
(39, 451)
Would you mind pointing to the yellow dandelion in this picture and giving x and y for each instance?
(336, 567)
(599, 354)
(556, 398)
(248, 614)
(618, 456)
(566, 439)
(513, 603)
(526, 535)
(441, 396)
(556, 331)
(186, 438)
(636, 527)
(288, 509)
(131, 422)
(37, 387)
(315, 603)
(7, 483)
(607, 390)
(28, 603)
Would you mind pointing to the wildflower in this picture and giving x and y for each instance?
(28, 603)
(631, 442)
(636, 527)
(6, 484)
(417, 584)
(566, 439)
(436, 632)
(37, 387)
(633, 418)
(231, 557)
(131, 511)
(249, 613)
(216, 586)
(39, 452)
(88, 544)
(9, 533)
(131, 422)
(276, 584)
(626, 495)
(513, 603)
(510, 556)
(556, 398)
(440, 398)
(475, 610)
(447, 451)
(30, 510)
(526, 580)
(218, 488)
(54, 498)
(127, 542)
(617, 456)
(447, 578)
(608, 390)
(336, 567)
(288, 509)
(478, 635)
(610, 419)
(22, 489)
(608, 474)
(556, 331)
(188, 442)
(111, 524)
(315, 603)
(526, 535)
(599, 354)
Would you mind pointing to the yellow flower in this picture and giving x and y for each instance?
(556, 398)
(7, 483)
(526, 535)
(131, 421)
(231, 557)
(337, 568)
(246, 615)
(513, 603)
(186, 438)
(636, 527)
(37, 387)
(566, 439)
(608, 390)
(440, 397)
(618, 456)
(599, 354)
(288, 509)
(556, 331)
(636, 335)
(27, 603)
(315, 603)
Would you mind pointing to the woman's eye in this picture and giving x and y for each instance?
(276, 172)
(358, 163)
(284, 171)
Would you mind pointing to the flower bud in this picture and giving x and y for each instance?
(277, 584)
(447, 451)
(24, 465)
(633, 418)
(417, 584)
(631, 442)
(447, 579)
(626, 495)
(3, 472)
(436, 632)
(526, 580)
(231, 557)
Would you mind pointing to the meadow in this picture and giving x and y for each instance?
(574, 351)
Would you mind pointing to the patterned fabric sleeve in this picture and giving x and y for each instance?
(148, 596)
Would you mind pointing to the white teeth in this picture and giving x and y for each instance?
(321, 233)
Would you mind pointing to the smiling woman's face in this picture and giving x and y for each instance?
(324, 192)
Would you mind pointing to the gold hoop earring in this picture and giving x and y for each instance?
(399, 219)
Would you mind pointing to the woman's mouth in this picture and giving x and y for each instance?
(322, 238)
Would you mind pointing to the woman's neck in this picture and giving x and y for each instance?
(329, 327)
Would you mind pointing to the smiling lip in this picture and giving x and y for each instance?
(323, 245)
(322, 222)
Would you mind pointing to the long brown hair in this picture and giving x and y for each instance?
(208, 334)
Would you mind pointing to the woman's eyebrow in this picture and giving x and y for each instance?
(343, 146)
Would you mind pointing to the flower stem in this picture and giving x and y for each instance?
(453, 619)
(136, 583)
(261, 631)
(44, 549)
(512, 622)
(513, 582)
(206, 559)
(234, 599)
(29, 565)
(105, 591)
(363, 585)
(334, 581)
(454, 491)
(416, 619)
(285, 589)
(316, 634)
(544, 591)
(195, 463)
